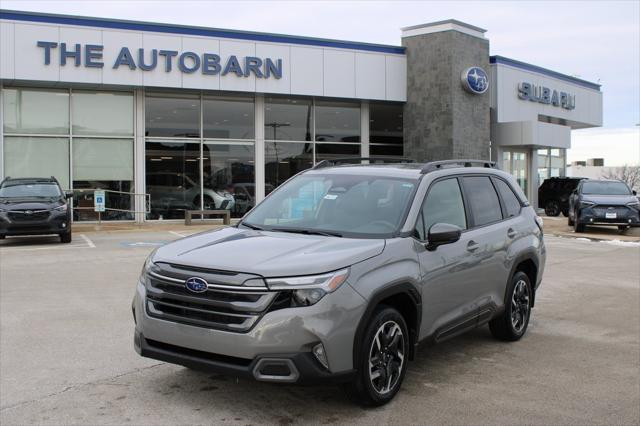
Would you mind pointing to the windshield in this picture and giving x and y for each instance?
(605, 188)
(29, 190)
(342, 205)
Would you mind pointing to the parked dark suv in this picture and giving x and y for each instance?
(553, 194)
(341, 271)
(34, 206)
(603, 202)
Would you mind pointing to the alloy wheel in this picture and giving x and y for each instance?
(386, 357)
(520, 306)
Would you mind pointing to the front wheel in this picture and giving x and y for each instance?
(623, 228)
(65, 238)
(577, 226)
(383, 359)
(513, 322)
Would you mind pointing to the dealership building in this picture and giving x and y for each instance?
(184, 116)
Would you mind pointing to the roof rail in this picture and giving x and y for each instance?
(445, 164)
(357, 160)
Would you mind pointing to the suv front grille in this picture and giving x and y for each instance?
(223, 306)
(620, 211)
(31, 216)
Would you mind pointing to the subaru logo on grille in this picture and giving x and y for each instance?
(196, 285)
(28, 212)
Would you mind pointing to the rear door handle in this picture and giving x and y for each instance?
(511, 233)
(472, 246)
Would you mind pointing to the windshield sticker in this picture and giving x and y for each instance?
(330, 197)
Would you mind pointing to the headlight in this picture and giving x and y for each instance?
(62, 208)
(147, 264)
(586, 203)
(308, 290)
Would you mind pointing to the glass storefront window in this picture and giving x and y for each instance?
(103, 164)
(285, 159)
(337, 122)
(30, 156)
(172, 178)
(172, 116)
(386, 150)
(229, 177)
(228, 118)
(36, 111)
(102, 113)
(288, 119)
(385, 123)
(326, 151)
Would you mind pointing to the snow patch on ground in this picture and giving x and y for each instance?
(623, 243)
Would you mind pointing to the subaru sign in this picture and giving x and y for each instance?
(475, 80)
(544, 95)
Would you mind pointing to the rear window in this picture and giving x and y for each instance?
(483, 200)
(511, 203)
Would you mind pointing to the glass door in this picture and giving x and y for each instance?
(516, 162)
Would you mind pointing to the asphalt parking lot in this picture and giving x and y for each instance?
(66, 354)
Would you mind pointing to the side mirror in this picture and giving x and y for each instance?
(442, 233)
(68, 194)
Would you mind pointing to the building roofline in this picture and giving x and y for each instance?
(446, 21)
(501, 60)
(86, 21)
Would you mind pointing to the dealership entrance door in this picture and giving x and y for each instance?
(516, 162)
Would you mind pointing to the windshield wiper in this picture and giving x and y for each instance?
(248, 225)
(307, 232)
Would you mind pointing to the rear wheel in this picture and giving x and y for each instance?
(552, 208)
(513, 322)
(384, 357)
(565, 213)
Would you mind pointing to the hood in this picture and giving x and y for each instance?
(30, 203)
(610, 200)
(266, 253)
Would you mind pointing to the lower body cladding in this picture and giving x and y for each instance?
(283, 346)
(619, 215)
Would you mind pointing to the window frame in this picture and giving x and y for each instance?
(467, 212)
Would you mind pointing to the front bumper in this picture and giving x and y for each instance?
(597, 215)
(281, 341)
(52, 223)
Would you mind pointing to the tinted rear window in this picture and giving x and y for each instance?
(483, 200)
(511, 203)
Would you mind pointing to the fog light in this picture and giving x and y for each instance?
(321, 356)
(591, 220)
(64, 225)
(629, 220)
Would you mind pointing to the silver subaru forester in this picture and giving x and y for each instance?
(342, 271)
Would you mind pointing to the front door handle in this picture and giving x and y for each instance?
(511, 233)
(472, 246)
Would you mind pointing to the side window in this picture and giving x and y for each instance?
(443, 204)
(483, 199)
(511, 203)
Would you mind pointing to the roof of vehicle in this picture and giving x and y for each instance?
(402, 170)
(604, 180)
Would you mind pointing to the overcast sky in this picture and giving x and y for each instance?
(596, 41)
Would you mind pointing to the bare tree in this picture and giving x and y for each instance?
(626, 173)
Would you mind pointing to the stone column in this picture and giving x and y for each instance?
(441, 119)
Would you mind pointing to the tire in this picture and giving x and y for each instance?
(569, 221)
(623, 228)
(388, 359)
(208, 203)
(2, 237)
(65, 238)
(577, 226)
(512, 324)
(565, 213)
(552, 208)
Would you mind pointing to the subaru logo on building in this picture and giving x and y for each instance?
(475, 80)
(196, 285)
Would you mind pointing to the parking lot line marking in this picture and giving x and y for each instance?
(88, 241)
(178, 234)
